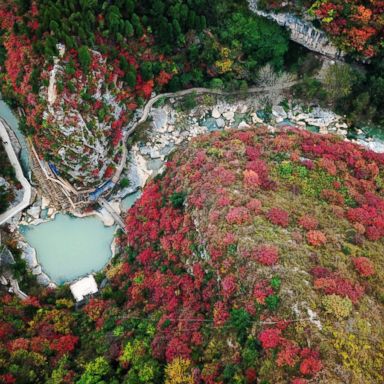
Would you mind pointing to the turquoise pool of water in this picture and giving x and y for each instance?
(129, 200)
(69, 247)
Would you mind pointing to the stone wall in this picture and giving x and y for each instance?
(302, 32)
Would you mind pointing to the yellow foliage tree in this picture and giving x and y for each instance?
(179, 372)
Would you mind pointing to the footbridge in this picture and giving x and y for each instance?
(104, 203)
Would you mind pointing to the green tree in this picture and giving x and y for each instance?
(260, 40)
(216, 83)
(128, 29)
(146, 70)
(84, 58)
(95, 372)
(338, 81)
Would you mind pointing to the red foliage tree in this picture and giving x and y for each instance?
(278, 216)
(270, 338)
(316, 238)
(364, 266)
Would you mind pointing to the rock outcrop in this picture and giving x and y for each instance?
(302, 32)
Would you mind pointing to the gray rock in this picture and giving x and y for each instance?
(256, 119)
(159, 119)
(229, 115)
(29, 254)
(37, 270)
(215, 113)
(244, 108)
(43, 279)
(220, 122)
(278, 111)
(34, 211)
(243, 125)
(375, 146)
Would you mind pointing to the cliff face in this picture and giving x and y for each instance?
(302, 32)
(82, 120)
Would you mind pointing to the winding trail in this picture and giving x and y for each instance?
(4, 217)
(198, 91)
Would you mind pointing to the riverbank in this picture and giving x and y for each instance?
(170, 126)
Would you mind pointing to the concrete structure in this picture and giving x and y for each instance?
(19, 174)
(118, 220)
(83, 288)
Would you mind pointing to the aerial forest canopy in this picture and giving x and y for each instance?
(157, 45)
(132, 49)
(357, 26)
(256, 257)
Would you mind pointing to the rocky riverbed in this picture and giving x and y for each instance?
(170, 126)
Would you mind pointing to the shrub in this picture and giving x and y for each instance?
(272, 302)
(270, 338)
(251, 179)
(254, 205)
(240, 319)
(177, 199)
(298, 380)
(339, 306)
(308, 222)
(229, 286)
(338, 81)
(124, 182)
(288, 354)
(316, 238)
(178, 371)
(339, 286)
(266, 254)
(310, 366)
(261, 291)
(238, 215)
(309, 89)
(220, 313)
(364, 266)
(278, 216)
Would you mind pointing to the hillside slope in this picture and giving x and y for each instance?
(255, 258)
(272, 266)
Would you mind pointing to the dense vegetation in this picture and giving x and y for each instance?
(7, 174)
(157, 45)
(255, 258)
(144, 46)
(350, 90)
